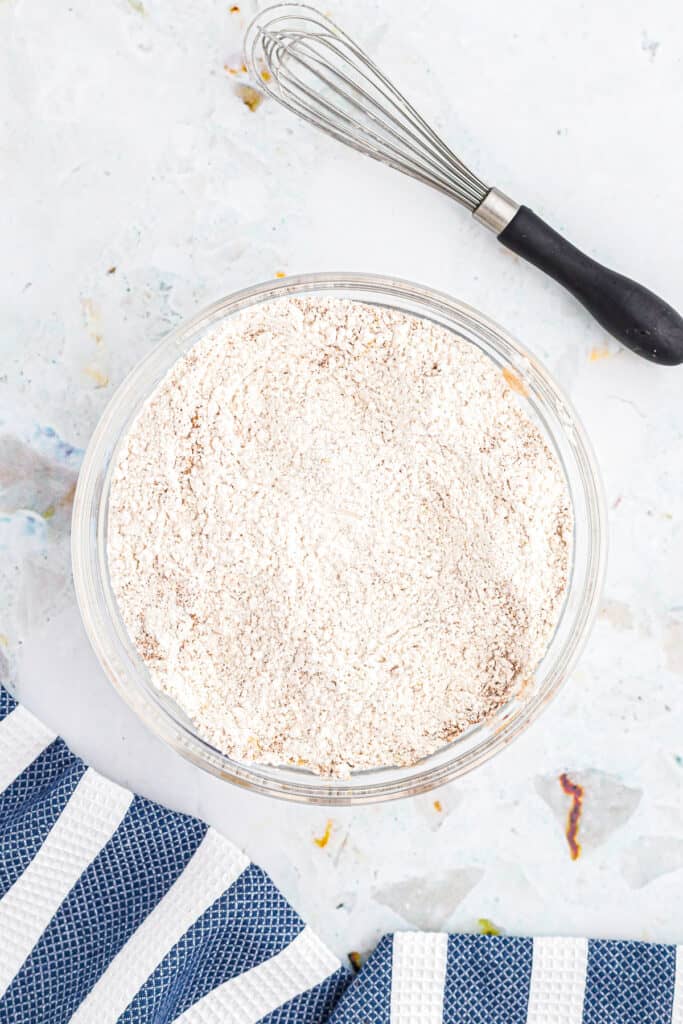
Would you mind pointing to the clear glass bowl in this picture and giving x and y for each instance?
(126, 670)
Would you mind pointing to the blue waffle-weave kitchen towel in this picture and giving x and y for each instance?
(114, 909)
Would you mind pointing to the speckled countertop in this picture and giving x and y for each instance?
(137, 186)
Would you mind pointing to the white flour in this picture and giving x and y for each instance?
(335, 537)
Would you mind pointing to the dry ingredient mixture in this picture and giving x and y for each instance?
(335, 536)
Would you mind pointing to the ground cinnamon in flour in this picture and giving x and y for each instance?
(336, 537)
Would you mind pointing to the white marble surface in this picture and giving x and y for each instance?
(127, 147)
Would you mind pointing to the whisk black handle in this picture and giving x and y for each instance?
(635, 316)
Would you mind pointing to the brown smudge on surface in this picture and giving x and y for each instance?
(596, 354)
(62, 504)
(324, 839)
(250, 97)
(610, 806)
(575, 791)
(234, 9)
(438, 806)
(266, 75)
(354, 960)
(91, 316)
(38, 483)
(101, 379)
(112, 270)
(515, 382)
(68, 498)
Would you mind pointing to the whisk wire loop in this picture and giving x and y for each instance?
(361, 100)
(303, 60)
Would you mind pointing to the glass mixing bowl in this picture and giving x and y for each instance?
(544, 402)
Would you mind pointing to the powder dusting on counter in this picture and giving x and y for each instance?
(336, 537)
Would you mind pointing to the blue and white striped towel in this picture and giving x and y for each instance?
(114, 909)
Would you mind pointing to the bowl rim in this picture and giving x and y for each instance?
(109, 638)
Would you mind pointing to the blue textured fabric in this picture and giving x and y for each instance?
(113, 896)
(368, 998)
(629, 983)
(227, 940)
(487, 979)
(7, 703)
(313, 1006)
(30, 806)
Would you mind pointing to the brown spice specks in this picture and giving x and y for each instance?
(401, 720)
(438, 806)
(575, 791)
(324, 839)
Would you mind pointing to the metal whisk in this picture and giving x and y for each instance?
(303, 60)
(319, 73)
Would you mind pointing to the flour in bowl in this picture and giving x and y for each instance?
(336, 537)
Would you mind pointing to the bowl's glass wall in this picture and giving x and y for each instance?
(126, 669)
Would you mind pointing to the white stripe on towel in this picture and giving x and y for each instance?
(249, 997)
(558, 981)
(91, 816)
(677, 1009)
(418, 974)
(22, 738)
(212, 869)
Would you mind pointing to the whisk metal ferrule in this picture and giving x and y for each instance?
(495, 211)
